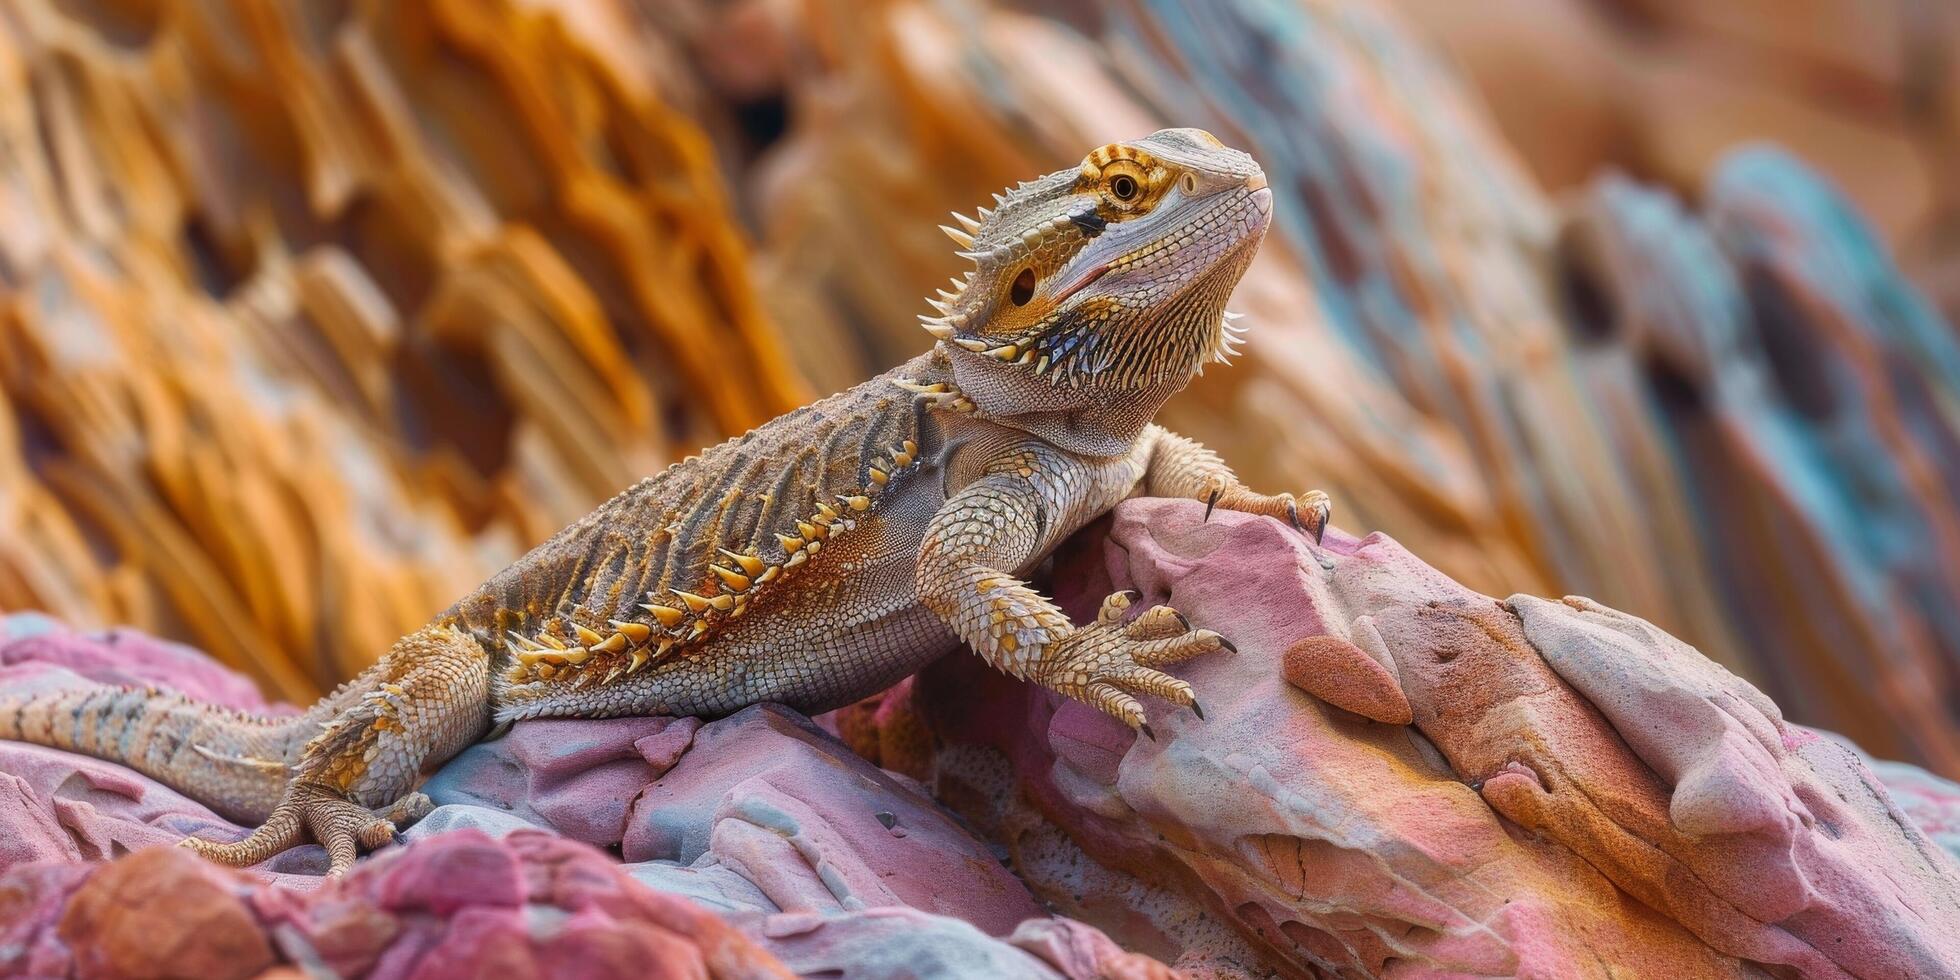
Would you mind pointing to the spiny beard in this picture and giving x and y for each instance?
(1228, 339)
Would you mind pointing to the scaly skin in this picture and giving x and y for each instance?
(821, 557)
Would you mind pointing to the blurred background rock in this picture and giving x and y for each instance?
(313, 313)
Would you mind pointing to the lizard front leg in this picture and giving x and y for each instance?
(424, 702)
(1181, 467)
(997, 523)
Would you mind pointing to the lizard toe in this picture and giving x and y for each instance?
(407, 810)
(1155, 683)
(280, 831)
(1113, 701)
(1176, 649)
(1157, 623)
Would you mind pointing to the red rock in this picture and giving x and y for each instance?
(164, 912)
(1339, 673)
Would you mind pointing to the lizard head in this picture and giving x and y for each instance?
(1113, 274)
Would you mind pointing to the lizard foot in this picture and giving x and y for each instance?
(1107, 663)
(313, 812)
(1309, 512)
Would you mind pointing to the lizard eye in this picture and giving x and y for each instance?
(1125, 184)
(1023, 288)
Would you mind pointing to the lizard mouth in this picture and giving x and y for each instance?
(1081, 281)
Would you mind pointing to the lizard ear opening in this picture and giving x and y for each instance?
(1023, 288)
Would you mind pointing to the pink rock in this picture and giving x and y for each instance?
(816, 828)
(35, 650)
(1079, 951)
(770, 812)
(577, 777)
(1574, 788)
(1674, 824)
(452, 871)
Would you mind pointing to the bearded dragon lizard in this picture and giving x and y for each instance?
(815, 560)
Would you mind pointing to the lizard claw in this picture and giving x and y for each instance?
(1210, 502)
(1108, 664)
(1320, 509)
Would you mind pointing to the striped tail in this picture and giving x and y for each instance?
(237, 764)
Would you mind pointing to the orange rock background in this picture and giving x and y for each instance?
(312, 315)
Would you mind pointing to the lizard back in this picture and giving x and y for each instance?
(663, 566)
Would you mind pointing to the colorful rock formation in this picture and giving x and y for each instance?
(314, 316)
(1394, 774)
(753, 846)
(1393, 770)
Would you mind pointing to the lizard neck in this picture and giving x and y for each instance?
(1089, 421)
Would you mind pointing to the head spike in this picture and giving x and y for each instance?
(972, 227)
(960, 238)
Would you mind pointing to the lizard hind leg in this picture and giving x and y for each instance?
(424, 702)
